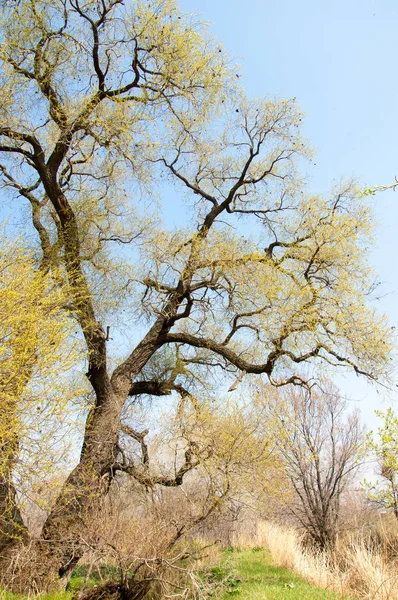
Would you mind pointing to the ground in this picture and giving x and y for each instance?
(244, 574)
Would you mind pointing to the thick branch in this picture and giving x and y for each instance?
(227, 353)
(143, 475)
(151, 388)
(21, 137)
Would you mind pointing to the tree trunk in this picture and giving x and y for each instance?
(12, 528)
(72, 521)
(13, 532)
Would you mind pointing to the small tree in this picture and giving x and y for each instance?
(384, 494)
(322, 448)
(35, 334)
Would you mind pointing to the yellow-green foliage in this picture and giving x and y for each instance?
(36, 352)
(307, 299)
(46, 70)
(234, 443)
(385, 447)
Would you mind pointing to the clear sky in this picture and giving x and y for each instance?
(339, 59)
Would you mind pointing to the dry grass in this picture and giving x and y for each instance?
(369, 575)
(287, 551)
(357, 568)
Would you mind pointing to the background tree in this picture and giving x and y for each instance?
(99, 101)
(323, 448)
(385, 493)
(35, 334)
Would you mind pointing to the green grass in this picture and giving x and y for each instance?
(75, 584)
(244, 574)
(5, 595)
(249, 575)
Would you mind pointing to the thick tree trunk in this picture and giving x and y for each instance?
(71, 523)
(64, 536)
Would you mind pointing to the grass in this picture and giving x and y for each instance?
(249, 575)
(76, 582)
(5, 595)
(244, 575)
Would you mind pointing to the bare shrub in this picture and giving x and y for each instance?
(151, 546)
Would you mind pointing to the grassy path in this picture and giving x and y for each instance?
(252, 577)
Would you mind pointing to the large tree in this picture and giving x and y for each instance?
(101, 99)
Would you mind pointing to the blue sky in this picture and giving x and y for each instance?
(339, 59)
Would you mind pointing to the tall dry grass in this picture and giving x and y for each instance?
(358, 567)
(286, 548)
